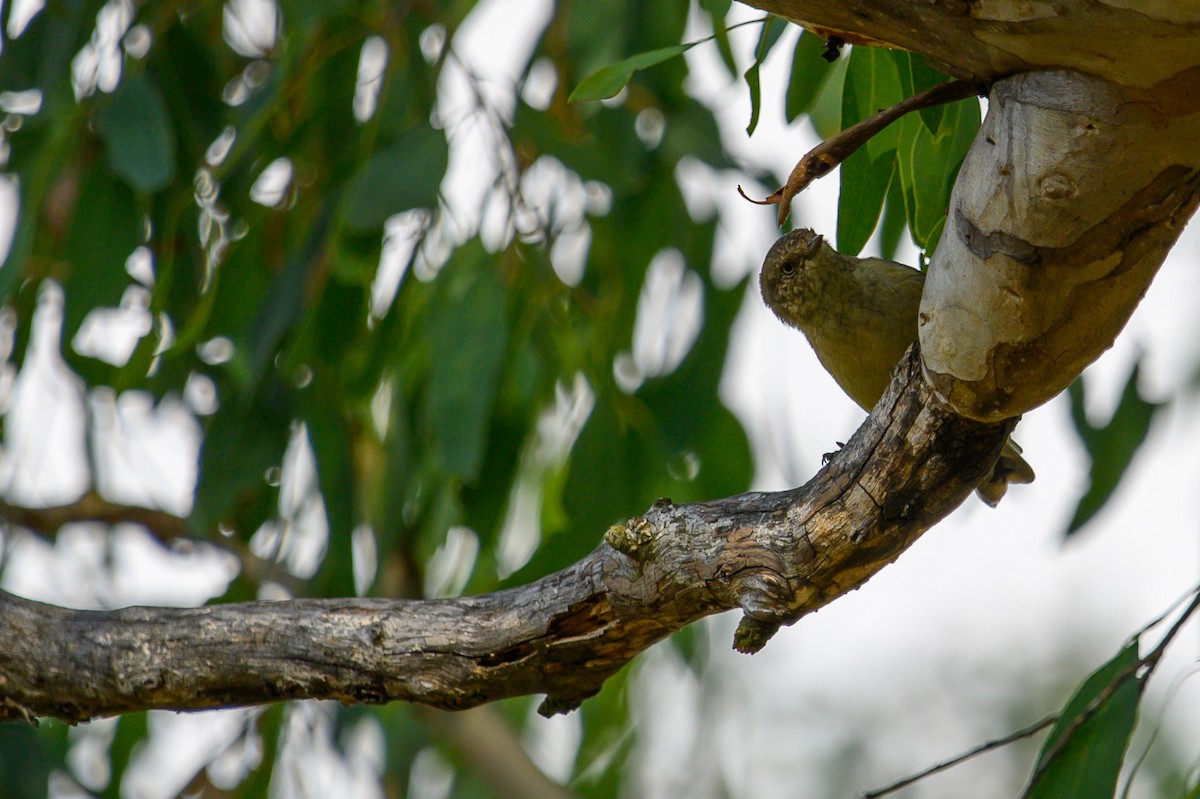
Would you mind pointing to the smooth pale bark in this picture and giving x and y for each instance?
(1080, 181)
(775, 556)
(1072, 195)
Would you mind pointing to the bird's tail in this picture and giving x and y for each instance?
(1009, 468)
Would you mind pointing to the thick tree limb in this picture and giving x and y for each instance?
(1133, 44)
(776, 556)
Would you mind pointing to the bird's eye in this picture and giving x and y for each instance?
(788, 268)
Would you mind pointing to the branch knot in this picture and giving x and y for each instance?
(766, 598)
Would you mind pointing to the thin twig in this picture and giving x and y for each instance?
(91, 507)
(1143, 667)
(825, 156)
(1012, 737)
(1172, 693)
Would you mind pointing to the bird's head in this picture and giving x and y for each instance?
(793, 274)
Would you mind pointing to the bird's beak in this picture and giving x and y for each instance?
(814, 244)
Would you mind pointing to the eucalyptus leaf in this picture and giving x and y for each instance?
(928, 165)
(104, 232)
(1081, 758)
(808, 75)
(138, 135)
(864, 186)
(916, 76)
(332, 442)
(132, 731)
(33, 755)
(872, 84)
(1111, 446)
(403, 176)
(467, 330)
(608, 81)
(767, 39)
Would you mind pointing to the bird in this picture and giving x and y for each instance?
(860, 316)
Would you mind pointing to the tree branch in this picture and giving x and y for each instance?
(166, 528)
(776, 556)
(820, 160)
(91, 507)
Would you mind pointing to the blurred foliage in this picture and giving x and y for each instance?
(273, 204)
(1111, 446)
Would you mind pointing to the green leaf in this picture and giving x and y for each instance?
(717, 11)
(270, 725)
(282, 306)
(825, 111)
(31, 755)
(607, 740)
(1089, 763)
(40, 58)
(755, 91)
(103, 233)
(484, 502)
(406, 175)
(766, 40)
(928, 165)
(467, 330)
(864, 186)
(724, 45)
(243, 440)
(704, 448)
(138, 135)
(809, 73)
(332, 443)
(132, 729)
(601, 488)
(893, 224)
(608, 81)
(916, 76)
(306, 15)
(872, 84)
(393, 486)
(1111, 447)
(184, 67)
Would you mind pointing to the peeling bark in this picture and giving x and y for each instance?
(776, 556)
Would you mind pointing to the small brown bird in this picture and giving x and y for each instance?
(860, 316)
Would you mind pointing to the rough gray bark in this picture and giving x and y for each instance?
(776, 556)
